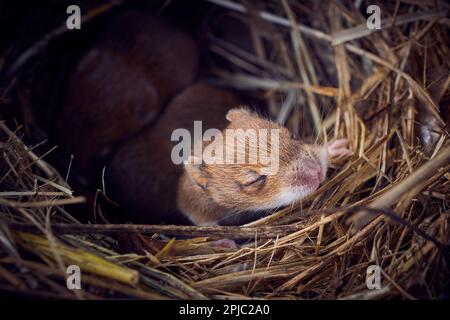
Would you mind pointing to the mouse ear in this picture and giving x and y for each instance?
(195, 168)
(237, 113)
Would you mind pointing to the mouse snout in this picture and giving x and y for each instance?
(306, 172)
(313, 169)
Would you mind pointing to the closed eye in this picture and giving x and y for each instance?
(261, 179)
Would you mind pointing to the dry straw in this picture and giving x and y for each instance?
(325, 75)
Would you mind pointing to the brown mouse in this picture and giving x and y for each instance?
(141, 177)
(122, 84)
(228, 193)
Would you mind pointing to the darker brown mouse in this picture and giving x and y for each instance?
(123, 83)
(142, 177)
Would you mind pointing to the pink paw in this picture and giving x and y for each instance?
(339, 148)
(224, 243)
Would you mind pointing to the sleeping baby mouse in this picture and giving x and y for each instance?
(212, 192)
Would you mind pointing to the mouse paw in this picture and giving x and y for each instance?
(339, 148)
(224, 243)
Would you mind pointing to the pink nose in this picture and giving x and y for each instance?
(313, 169)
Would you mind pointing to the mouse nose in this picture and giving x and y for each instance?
(313, 169)
(306, 172)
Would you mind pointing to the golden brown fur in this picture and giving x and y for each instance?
(227, 193)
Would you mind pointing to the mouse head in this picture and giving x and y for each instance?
(290, 171)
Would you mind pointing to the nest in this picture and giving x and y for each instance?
(324, 74)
